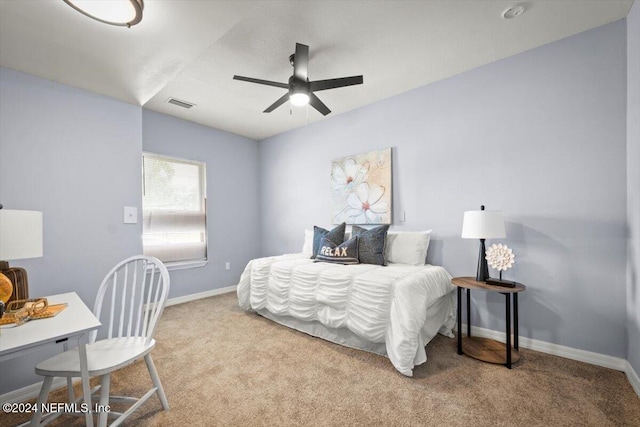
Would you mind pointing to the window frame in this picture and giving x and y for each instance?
(202, 169)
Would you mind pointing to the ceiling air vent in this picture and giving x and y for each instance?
(179, 103)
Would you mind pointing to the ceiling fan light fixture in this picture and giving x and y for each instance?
(301, 91)
(124, 13)
(298, 91)
(299, 99)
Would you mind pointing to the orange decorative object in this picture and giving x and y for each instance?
(6, 288)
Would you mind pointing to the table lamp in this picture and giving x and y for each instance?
(20, 237)
(483, 225)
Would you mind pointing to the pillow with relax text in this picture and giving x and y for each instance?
(345, 253)
(336, 236)
(372, 243)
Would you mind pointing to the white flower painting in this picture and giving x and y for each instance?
(348, 175)
(361, 188)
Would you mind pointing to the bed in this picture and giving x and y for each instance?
(392, 310)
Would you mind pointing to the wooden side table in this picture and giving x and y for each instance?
(486, 349)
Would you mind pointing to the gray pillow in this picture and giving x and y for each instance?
(336, 236)
(345, 253)
(371, 244)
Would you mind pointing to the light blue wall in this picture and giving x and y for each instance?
(540, 136)
(633, 186)
(232, 196)
(75, 156)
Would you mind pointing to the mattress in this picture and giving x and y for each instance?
(393, 310)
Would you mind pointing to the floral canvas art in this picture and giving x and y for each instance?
(361, 188)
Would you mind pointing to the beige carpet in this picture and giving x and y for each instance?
(222, 366)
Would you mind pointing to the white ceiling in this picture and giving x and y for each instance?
(190, 49)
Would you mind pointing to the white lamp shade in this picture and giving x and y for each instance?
(483, 225)
(20, 234)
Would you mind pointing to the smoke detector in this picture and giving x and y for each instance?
(513, 12)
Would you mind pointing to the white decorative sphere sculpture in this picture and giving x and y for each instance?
(500, 257)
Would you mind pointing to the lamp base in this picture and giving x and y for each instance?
(500, 282)
(482, 273)
(19, 279)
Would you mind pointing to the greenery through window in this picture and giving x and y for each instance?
(174, 208)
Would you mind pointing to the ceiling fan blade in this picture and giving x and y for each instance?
(301, 62)
(318, 105)
(278, 103)
(261, 82)
(335, 83)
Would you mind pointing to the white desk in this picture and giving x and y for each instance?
(72, 323)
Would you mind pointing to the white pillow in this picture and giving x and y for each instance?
(407, 247)
(307, 248)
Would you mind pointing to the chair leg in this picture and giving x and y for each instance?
(70, 393)
(156, 381)
(42, 399)
(105, 385)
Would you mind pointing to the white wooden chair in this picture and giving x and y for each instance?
(134, 294)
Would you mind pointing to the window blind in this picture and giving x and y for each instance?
(174, 209)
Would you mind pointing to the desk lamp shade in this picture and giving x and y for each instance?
(483, 225)
(20, 237)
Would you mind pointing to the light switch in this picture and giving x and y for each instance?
(227, 265)
(130, 215)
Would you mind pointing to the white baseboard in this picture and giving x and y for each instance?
(31, 391)
(590, 357)
(633, 378)
(200, 295)
(611, 362)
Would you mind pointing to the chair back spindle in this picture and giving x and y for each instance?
(138, 288)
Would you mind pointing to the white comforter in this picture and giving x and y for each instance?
(391, 305)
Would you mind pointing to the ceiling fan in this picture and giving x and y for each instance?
(301, 90)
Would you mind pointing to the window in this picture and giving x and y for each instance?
(174, 209)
